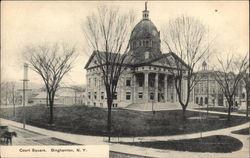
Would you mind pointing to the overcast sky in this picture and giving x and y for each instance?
(24, 23)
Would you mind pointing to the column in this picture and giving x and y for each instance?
(146, 86)
(185, 88)
(166, 88)
(174, 91)
(156, 87)
(99, 81)
(134, 89)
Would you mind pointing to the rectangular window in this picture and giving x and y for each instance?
(115, 105)
(95, 95)
(140, 95)
(89, 95)
(128, 95)
(101, 104)
(115, 96)
(140, 82)
(102, 95)
(152, 96)
(128, 83)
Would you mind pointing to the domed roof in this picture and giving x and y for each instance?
(144, 29)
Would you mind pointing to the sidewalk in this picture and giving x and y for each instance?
(96, 140)
(216, 112)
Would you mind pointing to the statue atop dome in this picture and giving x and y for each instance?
(145, 13)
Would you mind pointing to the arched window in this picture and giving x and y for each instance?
(206, 100)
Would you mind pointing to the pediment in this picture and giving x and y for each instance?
(170, 60)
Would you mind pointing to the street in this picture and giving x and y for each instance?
(26, 137)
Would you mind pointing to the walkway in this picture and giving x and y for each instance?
(216, 112)
(83, 139)
(173, 106)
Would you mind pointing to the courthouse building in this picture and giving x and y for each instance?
(148, 78)
(208, 91)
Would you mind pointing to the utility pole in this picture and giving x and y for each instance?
(25, 88)
(207, 90)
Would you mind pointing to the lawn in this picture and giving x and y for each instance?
(214, 144)
(245, 131)
(92, 121)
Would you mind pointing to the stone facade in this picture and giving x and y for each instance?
(208, 91)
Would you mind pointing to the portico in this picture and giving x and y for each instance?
(150, 86)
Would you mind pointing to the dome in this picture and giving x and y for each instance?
(145, 38)
(143, 30)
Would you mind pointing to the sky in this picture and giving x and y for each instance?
(25, 23)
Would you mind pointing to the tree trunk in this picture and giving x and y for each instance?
(109, 118)
(247, 102)
(184, 112)
(184, 116)
(51, 117)
(230, 104)
(14, 110)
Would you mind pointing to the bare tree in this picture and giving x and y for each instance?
(3, 92)
(187, 37)
(247, 87)
(6, 90)
(106, 31)
(52, 63)
(230, 72)
(246, 79)
(14, 96)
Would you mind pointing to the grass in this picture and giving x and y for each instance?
(245, 131)
(92, 121)
(214, 144)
